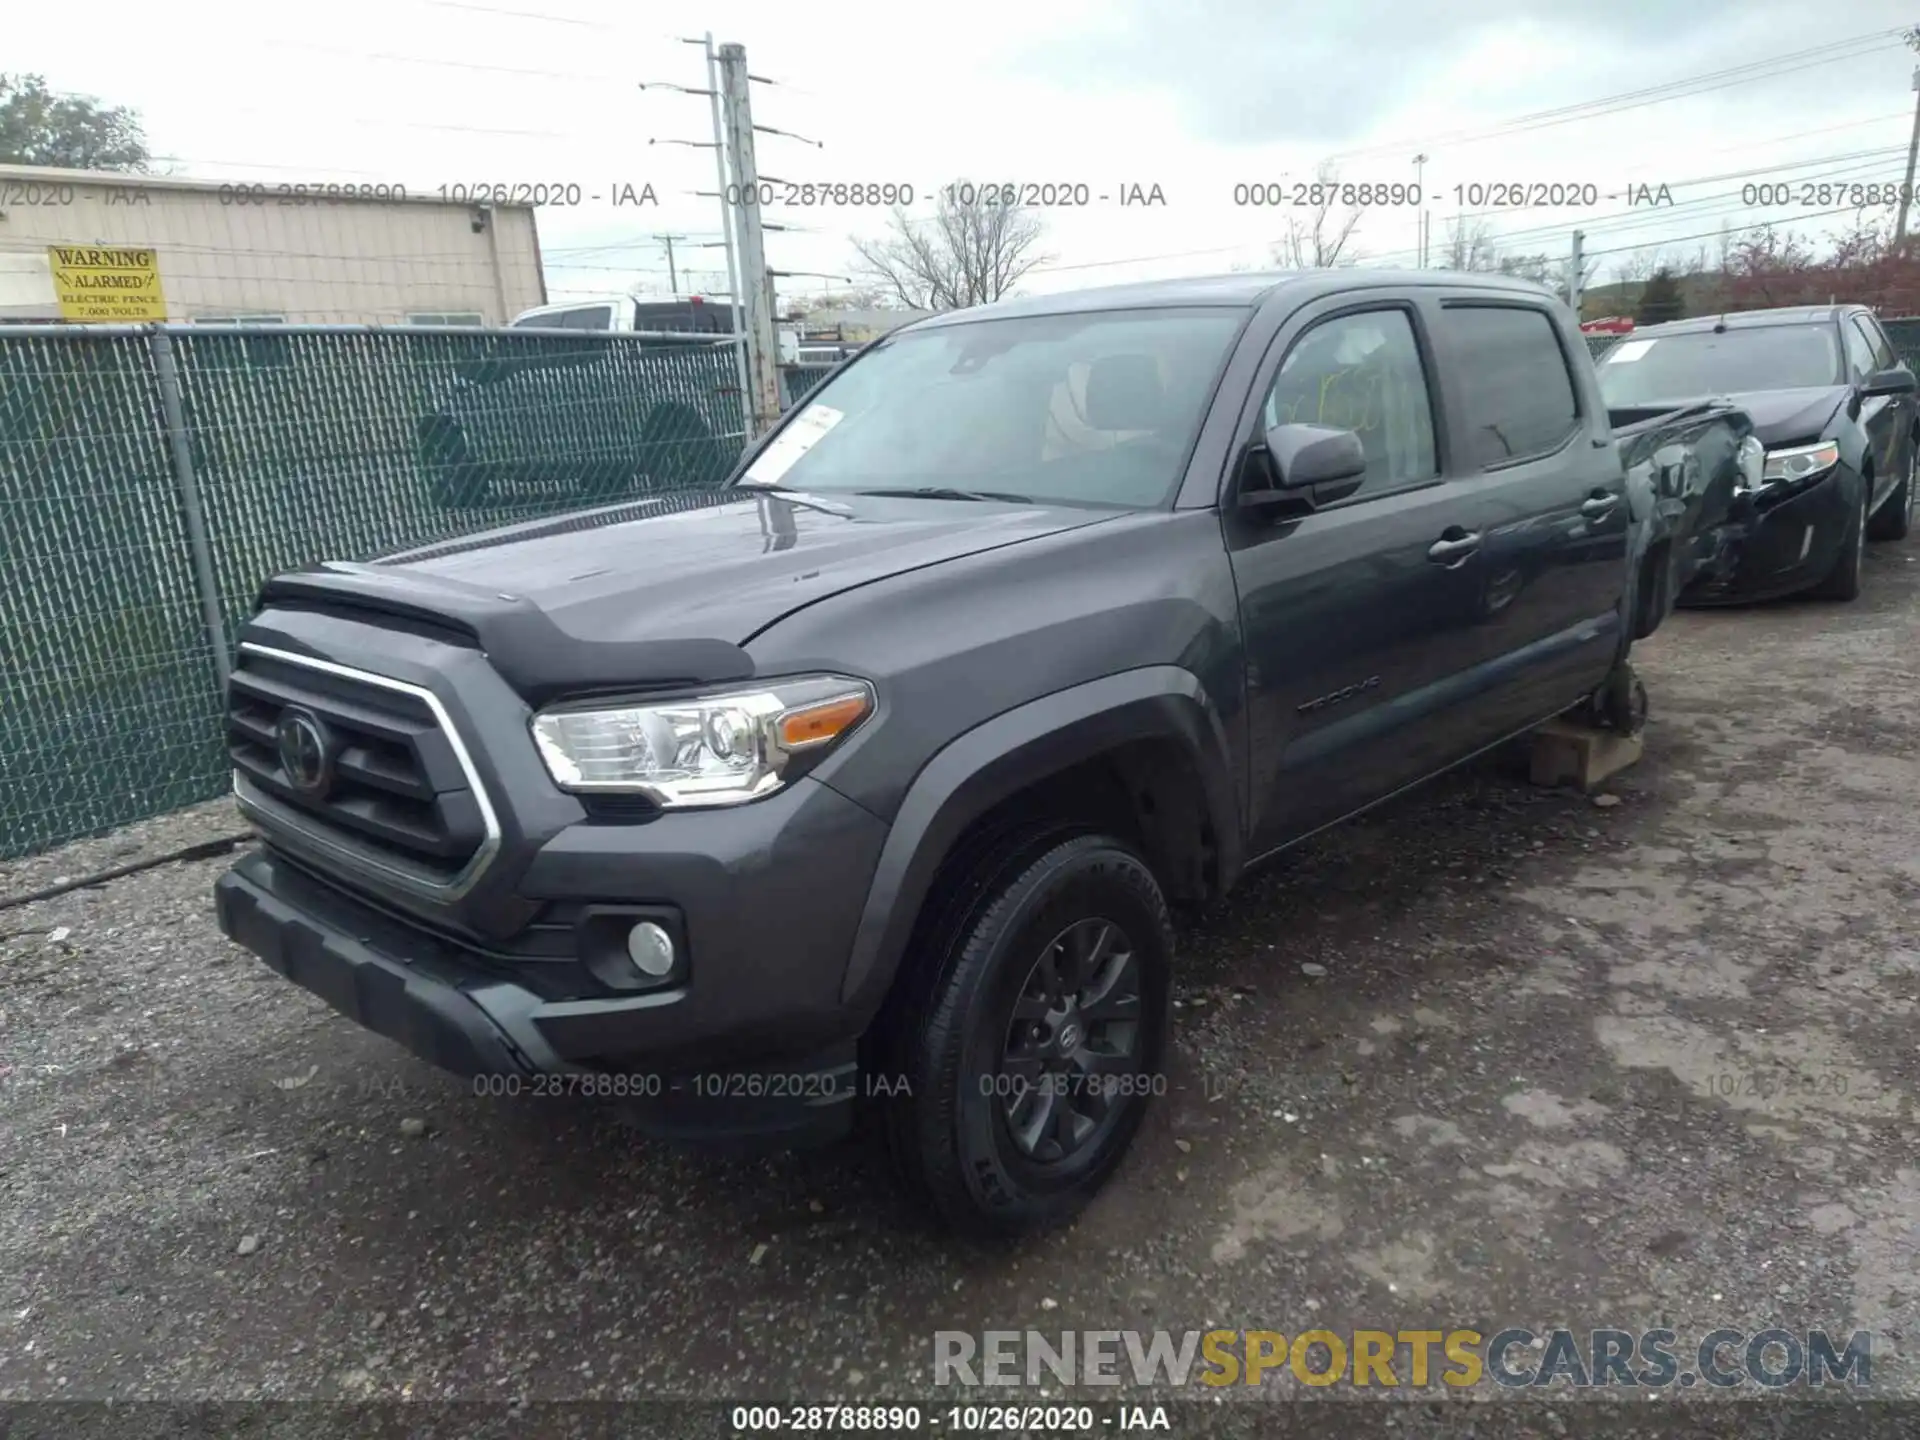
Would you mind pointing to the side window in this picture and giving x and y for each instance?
(1859, 351)
(1518, 391)
(1362, 373)
(1877, 342)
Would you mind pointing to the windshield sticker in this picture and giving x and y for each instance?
(1627, 350)
(801, 434)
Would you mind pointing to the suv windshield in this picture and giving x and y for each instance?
(1728, 362)
(1093, 409)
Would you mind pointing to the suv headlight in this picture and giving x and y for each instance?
(1800, 462)
(718, 749)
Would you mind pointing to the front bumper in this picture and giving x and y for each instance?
(754, 1040)
(1782, 549)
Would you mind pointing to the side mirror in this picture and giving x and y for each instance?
(1897, 381)
(1315, 463)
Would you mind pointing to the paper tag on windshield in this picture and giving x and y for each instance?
(1628, 350)
(800, 435)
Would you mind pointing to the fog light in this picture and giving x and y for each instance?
(650, 948)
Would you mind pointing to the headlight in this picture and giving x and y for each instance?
(1753, 464)
(1801, 462)
(718, 749)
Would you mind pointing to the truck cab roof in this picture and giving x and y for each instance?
(1245, 288)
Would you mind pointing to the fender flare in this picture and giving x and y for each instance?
(1002, 756)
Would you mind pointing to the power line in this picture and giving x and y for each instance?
(1710, 234)
(1852, 171)
(1615, 223)
(521, 14)
(571, 76)
(1838, 50)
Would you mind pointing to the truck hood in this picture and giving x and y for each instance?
(665, 590)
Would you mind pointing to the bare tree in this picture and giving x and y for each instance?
(1321, 239)
(968, 252)
(1636, 267)
(861, 297)
(1468, 246)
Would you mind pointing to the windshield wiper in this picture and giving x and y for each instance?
(947, 492)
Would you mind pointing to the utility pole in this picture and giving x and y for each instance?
(1420, 220)
(755, 288)
(1576, 267)
(673, 276)
(718, 146)
(1913, 148)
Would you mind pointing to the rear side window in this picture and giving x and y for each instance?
(1519, 393)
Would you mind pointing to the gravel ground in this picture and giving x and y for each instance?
(1491, 1056)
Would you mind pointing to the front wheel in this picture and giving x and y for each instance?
(1843, 581)
(1034, 1041)
(1894, 518)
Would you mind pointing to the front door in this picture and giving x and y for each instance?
(1360, 617)
(1887, 419)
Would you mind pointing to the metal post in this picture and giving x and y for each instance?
(736, 303)
(1576, 264)
(1420, 220)
(490, 217)
(1906, 190)
(756, 285)
(167, 371)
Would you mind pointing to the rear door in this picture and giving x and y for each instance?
(1361, 617)
(1536, 450)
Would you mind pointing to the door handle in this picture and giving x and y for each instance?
(1453, 546)
(1598, 505)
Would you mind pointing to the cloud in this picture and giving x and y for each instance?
(1251, 72)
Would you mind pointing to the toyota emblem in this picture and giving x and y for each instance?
(305, 754)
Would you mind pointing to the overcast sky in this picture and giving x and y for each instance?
(1192, 97)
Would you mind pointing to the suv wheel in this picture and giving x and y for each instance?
(1034, 1040)
(1843, 581)
(1894, 518)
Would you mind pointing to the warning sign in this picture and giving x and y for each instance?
(101, 283)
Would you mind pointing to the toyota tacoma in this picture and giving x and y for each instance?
(868, 780)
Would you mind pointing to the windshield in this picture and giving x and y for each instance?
(1094, 409)
(1727, 362)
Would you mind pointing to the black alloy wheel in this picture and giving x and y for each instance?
(1074, 1041)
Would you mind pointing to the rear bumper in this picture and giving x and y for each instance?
(445, 1005)
(1784, 549)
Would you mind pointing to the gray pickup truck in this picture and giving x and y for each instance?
(869, 779)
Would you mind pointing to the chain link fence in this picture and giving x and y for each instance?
(280, 445)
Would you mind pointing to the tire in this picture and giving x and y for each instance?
(1032, 1040)
(1621, 704)
(1894, 518)
(1843, 581)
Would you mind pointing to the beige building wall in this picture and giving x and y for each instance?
(226, 250)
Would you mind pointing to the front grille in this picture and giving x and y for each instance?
(364, 768)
